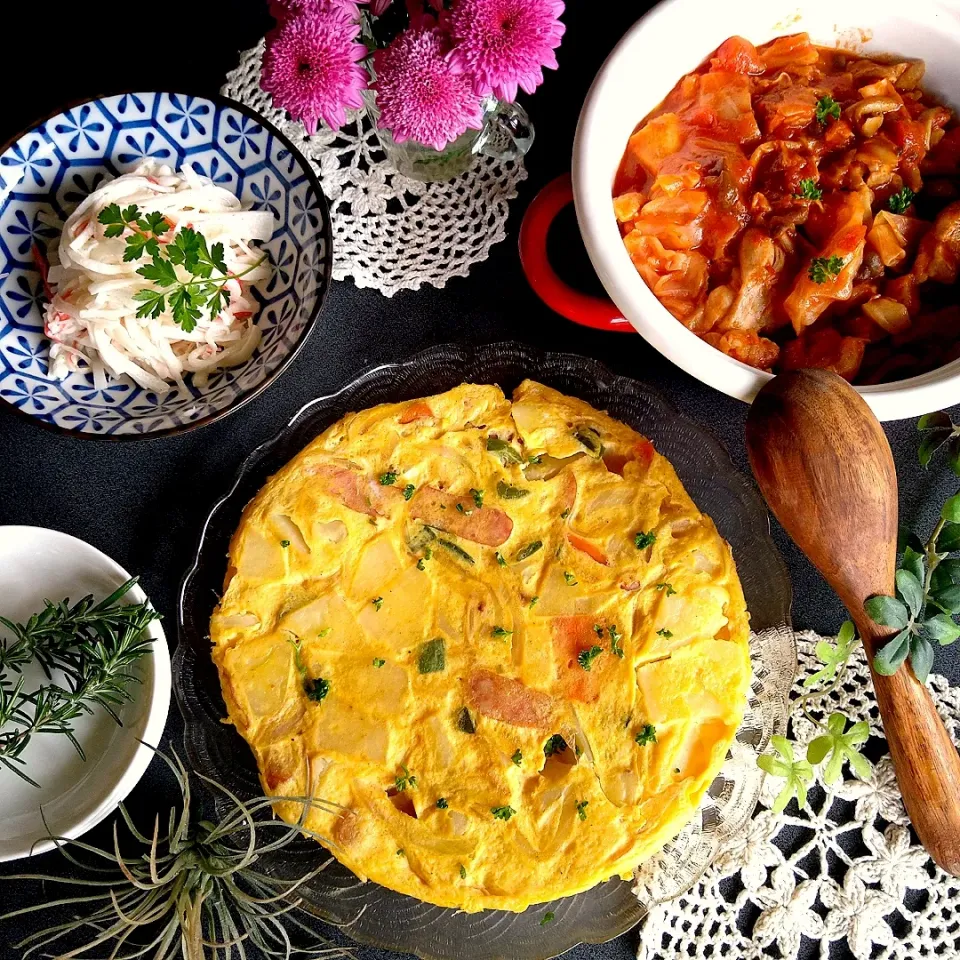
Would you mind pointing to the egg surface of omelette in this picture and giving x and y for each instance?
(499, 635)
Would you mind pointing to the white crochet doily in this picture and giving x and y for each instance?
(848, 868)
(389, 232)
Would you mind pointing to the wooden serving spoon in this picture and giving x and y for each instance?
(824, 465)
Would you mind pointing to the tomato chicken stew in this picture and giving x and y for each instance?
(799, 206)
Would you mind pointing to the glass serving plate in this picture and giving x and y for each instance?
(374, 915)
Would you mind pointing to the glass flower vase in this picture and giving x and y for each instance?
(506, 134)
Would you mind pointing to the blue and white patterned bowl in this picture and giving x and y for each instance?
(44, 174)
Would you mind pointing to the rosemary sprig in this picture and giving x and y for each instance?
(92, 644)
(185, 890)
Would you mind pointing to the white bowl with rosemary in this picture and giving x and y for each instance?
(84, 685)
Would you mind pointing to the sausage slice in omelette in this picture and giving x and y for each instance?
(499, 634)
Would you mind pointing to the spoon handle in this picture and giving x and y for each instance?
(926, 761)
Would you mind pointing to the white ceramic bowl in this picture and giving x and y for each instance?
(75, 794)
(673, 39)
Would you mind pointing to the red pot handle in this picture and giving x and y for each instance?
(572, 304)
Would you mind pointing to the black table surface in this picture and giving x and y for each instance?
(143, 502)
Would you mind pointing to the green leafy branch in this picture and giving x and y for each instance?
(204, 266)
(922, 611)
(928, 577)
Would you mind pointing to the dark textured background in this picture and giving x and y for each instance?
(143, 503)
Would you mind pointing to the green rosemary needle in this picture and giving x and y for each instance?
(93, 646)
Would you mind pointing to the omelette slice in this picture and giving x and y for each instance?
(499, 635)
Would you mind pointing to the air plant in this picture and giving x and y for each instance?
(192, 889)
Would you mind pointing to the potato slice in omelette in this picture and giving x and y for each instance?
(498, 634)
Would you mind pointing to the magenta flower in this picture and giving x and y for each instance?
(419, 93)
(283, 10)
(311, 69)
(501, 44)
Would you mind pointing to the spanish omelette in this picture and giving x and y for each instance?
(500, 636)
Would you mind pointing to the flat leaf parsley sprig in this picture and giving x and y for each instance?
(200, 282)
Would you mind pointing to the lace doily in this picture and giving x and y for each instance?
(390, 232)
(847, 868)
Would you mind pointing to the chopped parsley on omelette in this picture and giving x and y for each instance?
(498, 634)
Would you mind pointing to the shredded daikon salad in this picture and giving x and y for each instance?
(94, 294)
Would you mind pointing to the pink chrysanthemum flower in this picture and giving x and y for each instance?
(419, 94)
(283, 10)
(501, 44)
(311, 69)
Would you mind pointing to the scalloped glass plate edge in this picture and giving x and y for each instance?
(378, 917)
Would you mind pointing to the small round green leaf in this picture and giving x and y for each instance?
(770, 764)
(951, 509)
(935, 421)
(948, 569)
(887, 611)
(948, 598)
(818, 749)
(888, 659)
(930, 444)
(912, 560)
(907, 538)
(910, 590)
(949, 539)
(953, 455)
(941, 628)
(921, 657)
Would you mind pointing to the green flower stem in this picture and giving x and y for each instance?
(932, 558)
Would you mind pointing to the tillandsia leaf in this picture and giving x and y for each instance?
(798, 774)
(839, 744)
(891, 655)
(833, 655)
(887, 611)
(186, 890)
(910, 590)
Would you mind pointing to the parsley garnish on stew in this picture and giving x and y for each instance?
(317, 689)
(377, 603)
(284, 544)
(827, 107)
(378, 662)
(586, 657)
(809, 190)
(456, 550)
(499, 633)
(408, 491)
(668, 587)
(517, 758)
(572, 581)
(902, 199)
(477, 497)
(665, 633)
(824, 268)
(582, 809)
(388, 479)
(502, 813)
(648, 734)
(442, 803)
